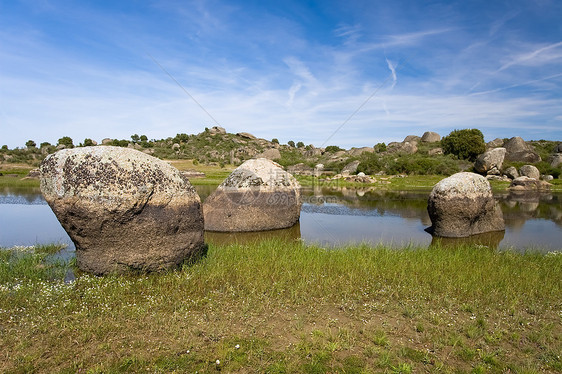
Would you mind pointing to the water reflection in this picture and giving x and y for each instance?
(330, 216)
(291, 234)
(489, 239)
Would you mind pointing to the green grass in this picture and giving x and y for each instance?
(283, 307)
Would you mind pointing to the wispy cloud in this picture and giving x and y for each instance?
(547, 54)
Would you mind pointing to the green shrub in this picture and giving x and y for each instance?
(465, 144)
(380, 147)
(333, 148)
(66, 141)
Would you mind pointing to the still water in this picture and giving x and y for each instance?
(329, 216)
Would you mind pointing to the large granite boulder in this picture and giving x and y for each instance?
(258, 195)
(491, 159)
(463, 205)
(430, 137)
(529, 171)
(558, 148)
(519, 151)
(124, 210)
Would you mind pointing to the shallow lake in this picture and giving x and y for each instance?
(329, 216)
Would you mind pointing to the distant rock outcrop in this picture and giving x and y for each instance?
(270, 154)
(430, 137)
(411, 138)
(463, 205)
(358, 151)
(405, 147)
(497, 142)
(519, 151)
(217, 130)
(258, 195)
(124, 210)
(246, 135)
(350, 168)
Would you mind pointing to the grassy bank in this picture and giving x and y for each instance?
(289, 308)
(215, 175)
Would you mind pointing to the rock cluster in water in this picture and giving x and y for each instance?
(124, 210)
(258, 195)
(463, 205)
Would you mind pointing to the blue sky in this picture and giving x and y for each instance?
(293, 70)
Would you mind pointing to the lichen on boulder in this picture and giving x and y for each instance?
(124, 210)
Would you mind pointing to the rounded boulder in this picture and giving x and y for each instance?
(258, 195)
(463, 205)
(124, 210)
(489, 160)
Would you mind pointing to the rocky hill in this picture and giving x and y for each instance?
(414, 155)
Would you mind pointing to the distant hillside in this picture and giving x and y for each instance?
(414, 155)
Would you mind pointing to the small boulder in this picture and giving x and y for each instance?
(246, 135)
(463, 205)
(555, 160)
(124, 210)
(558, 148)
(497, 142)
(511, 172)
(430, 137)
(519, 151)
(489, 160)
(217, 130)
(106, 141)
(529, 171)
(270, 154)
(34, 174)
(435, 151)
(350, 168)
(524, 184)
(258, 195)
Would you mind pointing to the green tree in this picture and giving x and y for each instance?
(45, 144)
(30, 144)
(135, 138)
(88, 142)
(300, 145)
(143, 138)
(291, 143)
(465, 144)
(66, 141)
(275, 140)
